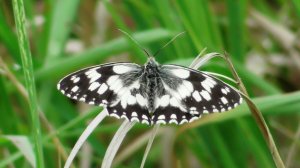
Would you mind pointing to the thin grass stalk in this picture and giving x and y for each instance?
(86, 133)
(20, 19)
(115, 143)
(149, 144)
(257, 116)
(135, 145)
(293, 148)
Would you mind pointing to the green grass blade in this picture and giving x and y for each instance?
(223, 152)
(188, 25)
(9, 39)
(236, 30)
(7, 126)
(63, 14)
(297, 6)
(139, 54)
(27, 66)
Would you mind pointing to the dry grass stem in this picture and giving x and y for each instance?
(83, 137)
(293, 147)
(149, 144)
(135, 145)
(257, 116)
(115, 143)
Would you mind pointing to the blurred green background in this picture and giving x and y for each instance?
(261, 37)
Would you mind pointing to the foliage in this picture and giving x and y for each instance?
(260, 37)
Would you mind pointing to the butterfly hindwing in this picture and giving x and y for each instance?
(190, 93)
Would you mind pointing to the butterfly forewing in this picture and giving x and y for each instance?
(190, 93)
(115, 86)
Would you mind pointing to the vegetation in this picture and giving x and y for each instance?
(39, 126)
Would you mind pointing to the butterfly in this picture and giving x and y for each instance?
(152, 93)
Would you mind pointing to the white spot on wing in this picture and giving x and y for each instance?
(92, 74)
(114, 115)
(197, 96)
(173, 116)
(134, 119)
(102, 88)
(144, 117)
(188, 85)
(164, 100)
(94, 77)
(181, 73)
(75, 89)
(174, 102)
(131, 100)
(183, 92)
(205, 95)
(145, 122)
(116, 86)
(94, 86)
(224, 91)
(112, 79)
(183, 121)
(124, 99)
(224, 100)
(121, 69)
(76, 80)
(134, 114)
(135, 85)
(173, 121)
(161, 122)
(193, 119)
(227, 89)
(161, 117)
(140, 99)
(206, 86)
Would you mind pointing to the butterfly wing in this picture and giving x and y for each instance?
(190, 93)
(114, 86)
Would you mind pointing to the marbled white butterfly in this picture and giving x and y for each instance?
(151, 93)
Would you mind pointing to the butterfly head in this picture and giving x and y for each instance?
(151, 66)
(151, 62)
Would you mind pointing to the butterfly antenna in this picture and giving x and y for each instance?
(147, 53)
(179, 34)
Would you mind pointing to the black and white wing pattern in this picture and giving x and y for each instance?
(114, 86)
(151, 94)
(189, 93)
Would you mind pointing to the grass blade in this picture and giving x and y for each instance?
(150, 142)
(60, 26)
(23, 144)
(27, 65)
(115, 143)
(89, 129)
(258, 118)
(237, 22)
